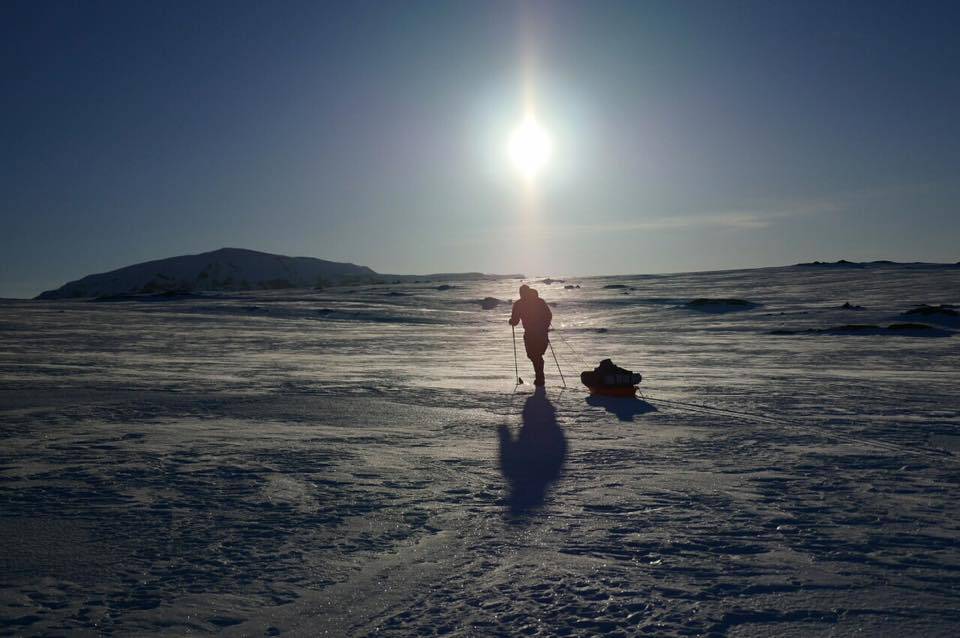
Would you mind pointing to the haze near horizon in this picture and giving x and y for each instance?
(544, 138)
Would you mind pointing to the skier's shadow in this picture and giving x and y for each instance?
(534, 460)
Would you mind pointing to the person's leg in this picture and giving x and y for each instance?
(536, 346)
(538, 371)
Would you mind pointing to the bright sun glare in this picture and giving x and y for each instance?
(530, 147)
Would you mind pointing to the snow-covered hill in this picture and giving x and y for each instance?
(224, 269)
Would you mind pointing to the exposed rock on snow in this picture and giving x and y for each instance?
(943, 315)
(944, 310)
(909, 326)
(843, 263)
(861, 329)
(840, 263)
(170, 295)
(489, 303)
(706, 304)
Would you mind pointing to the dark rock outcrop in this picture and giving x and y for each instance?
(707, 304)
(861, 329)
(489, 303)
(840, 263)
(943, 310)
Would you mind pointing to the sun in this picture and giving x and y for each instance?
(530, 147)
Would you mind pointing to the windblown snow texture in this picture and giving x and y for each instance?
(352, 462)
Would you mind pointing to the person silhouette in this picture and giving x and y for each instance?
(536, 317)
(534, 460)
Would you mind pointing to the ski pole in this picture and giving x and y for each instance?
(516, 368)
(558, 364)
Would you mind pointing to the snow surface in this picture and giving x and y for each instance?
(350, 462)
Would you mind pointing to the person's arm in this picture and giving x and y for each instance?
(515, 315)
(549, 314)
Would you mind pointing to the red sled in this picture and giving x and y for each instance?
(613, 391)
(610, 380)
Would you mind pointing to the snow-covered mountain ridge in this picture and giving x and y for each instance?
(224, 270)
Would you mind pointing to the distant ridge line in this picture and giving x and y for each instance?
(841, 263)
(231, 269)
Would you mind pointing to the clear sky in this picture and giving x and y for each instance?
(685, 135)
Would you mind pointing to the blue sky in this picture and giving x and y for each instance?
(687, 135)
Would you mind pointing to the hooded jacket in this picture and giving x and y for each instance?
(533, 312)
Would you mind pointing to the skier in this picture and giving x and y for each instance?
(536, 316)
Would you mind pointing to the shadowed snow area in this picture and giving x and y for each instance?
(352, 462)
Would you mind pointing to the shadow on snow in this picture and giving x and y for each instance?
(624, 407)
(533, 460)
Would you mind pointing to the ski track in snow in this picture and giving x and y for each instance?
(350, 462)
